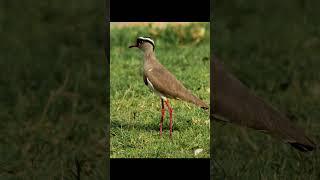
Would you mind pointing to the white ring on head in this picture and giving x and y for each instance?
(147, 39)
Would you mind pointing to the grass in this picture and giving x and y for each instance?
(135, 110)
(273, 47)
(53, 90)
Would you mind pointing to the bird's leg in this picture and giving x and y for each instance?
(170, 112)
(163, 110)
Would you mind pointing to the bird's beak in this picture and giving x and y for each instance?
(133, 46)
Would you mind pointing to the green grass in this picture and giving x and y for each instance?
(53, 90)
(273, 47)
(135, 110)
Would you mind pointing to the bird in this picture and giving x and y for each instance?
(162, 82)
(233, 102)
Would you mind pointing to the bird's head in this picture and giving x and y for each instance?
(144, 43)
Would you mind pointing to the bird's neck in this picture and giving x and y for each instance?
(149, 55)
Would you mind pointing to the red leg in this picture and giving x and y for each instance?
(162, 116)
(170, 112)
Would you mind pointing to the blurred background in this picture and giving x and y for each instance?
(52, 90)
(135, 111)
(273, 48)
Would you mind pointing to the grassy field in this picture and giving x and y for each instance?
(135, 110)
(52, 90)
(273, 48)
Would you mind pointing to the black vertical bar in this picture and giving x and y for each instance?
(107, 51)
(212, 156)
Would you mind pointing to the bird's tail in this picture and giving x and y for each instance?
(297, 138)
(189, 97)
(303, 147)
(235, 103)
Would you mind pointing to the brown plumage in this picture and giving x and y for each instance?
(162, 82)
(167, 84)
(234, 103)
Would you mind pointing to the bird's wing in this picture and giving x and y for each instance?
(234, 102)
(165, 83)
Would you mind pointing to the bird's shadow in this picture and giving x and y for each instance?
(154, 126)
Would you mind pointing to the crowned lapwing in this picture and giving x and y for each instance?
(235, 103)
(162, 82)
